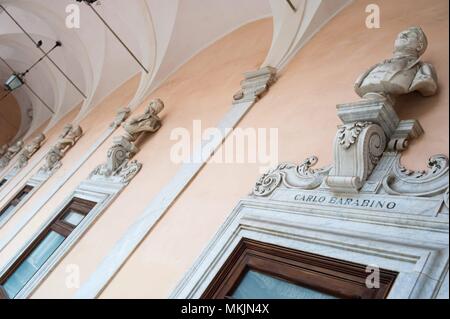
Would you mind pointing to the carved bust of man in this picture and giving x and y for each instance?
(70, 138)
(147, 122)
(403, 73)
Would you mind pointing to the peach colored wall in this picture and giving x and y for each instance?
(302, 105)
(201, 89)
(10, 118)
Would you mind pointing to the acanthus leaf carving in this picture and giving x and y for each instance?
(348, 133)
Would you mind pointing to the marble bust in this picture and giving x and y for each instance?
(403, 73)
(147, 122)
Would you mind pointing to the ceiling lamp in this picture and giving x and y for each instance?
(38, 44)
(13, 82)
(16, 80)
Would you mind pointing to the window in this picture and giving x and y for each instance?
(3, 182)
(257, 270)
(43, 247)
(16, 200)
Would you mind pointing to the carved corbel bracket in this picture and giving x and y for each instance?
(358, 147)
(255, 84)
(373, 126)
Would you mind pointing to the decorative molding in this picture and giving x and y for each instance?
(406, 131)
(380, 112)
(415, 248)
(292, 176)
(103, 196)
(36, 181)
(255, 84)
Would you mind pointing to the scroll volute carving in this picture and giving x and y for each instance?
(424, 183)
(302, 176)
(118, 165)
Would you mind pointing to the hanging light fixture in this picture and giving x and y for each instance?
(13, 82)
(38, 44)
(16, 80)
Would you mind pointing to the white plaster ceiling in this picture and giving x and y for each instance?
(163, 34)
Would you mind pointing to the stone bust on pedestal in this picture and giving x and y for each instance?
(403, 73)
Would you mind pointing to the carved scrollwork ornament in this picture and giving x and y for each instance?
(291, 176)
(423, 183)
(269, 181)
(130, 170)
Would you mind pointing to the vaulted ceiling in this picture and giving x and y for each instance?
(162, 35)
